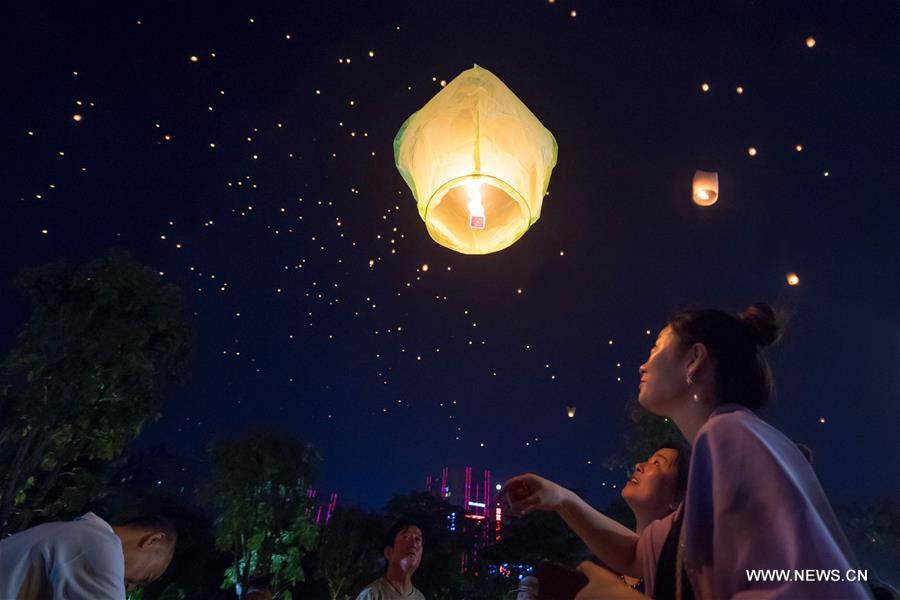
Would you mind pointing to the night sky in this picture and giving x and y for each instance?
(259, 177)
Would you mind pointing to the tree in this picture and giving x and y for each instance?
(534, 537)
(645, 433)
(874, 532)
(103, 344)
(259, 489)
(349, 551)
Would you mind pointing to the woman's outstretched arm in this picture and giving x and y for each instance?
(610, 541)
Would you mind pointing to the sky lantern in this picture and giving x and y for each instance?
(570, 410)
(792, 279)
(478, 163)
(706, 188)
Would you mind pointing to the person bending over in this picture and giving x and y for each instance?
(85, 559)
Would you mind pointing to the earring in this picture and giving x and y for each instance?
(690, 380)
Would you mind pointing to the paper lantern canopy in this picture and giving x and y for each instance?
(478, 163)
(706, 188)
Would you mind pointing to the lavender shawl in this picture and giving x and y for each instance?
(753, 502)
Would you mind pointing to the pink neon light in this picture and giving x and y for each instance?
(487, 490)
(332, 504)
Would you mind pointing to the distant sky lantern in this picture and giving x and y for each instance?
(751, 151)
(792, 279)
(810, 42)
(570, 410)
(478, 163)
(739, 89)
(706, 188)
(705, 87)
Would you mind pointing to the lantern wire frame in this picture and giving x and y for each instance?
(446, 215)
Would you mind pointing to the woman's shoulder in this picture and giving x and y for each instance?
(731, 421)
(737, 434)
(655, 533)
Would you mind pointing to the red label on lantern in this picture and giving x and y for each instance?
(476, 222)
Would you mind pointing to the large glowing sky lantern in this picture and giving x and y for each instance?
(478, 163)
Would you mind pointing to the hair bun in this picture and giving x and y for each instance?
(764, 323)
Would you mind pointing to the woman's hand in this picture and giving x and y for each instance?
(528, 492)
(603, 584)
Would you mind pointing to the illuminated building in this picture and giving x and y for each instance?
(319, 510)
(478, 508)
(465, 489)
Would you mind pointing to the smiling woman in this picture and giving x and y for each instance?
(657, 486)
(654, 491)
(753, 500)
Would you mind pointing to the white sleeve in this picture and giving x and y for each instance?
(96, 574)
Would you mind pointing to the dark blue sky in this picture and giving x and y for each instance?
(618, 248)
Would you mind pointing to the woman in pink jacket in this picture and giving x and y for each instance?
(753, 502)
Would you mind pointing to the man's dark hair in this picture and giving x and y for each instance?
(396, 528)
(154, 521)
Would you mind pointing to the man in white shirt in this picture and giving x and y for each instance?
(403, 553)
(85, 559)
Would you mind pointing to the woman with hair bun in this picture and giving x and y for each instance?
(753, 501)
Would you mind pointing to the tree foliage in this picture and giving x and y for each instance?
(534, 537)
(874, 532)
(259, 489)
(643, 434)
(89, 370)
(349, 551)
